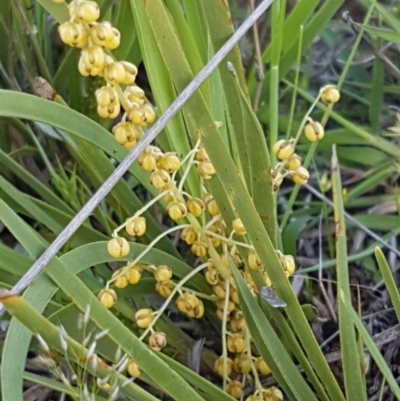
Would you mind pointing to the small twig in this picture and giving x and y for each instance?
(160, 124)
(370, 233)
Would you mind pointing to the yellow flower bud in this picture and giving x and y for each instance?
(219, 366)
(106, 95)
(267, 280)
(157, 341)
(197, 312)
(300, 176)
(133, 368)
(262, 367)
(254, 260)
(103, 385)
(234, 296)
(293, 162)
(118, 247)
(237, 323)
(219, 290)
(206, 169)
(130, 145)
(212, 206)
(230, 306)
(114, 73)
(242, 364)
(130, 72)
(195, 206)
(169, 162)
(212, 275)
(115, 41)
(277, 181)
(176, 210)
(330, 94)
(103, 34)
(136, 227)
(169, 197)
(235, 389)
(111, 111)
(201, 155)
(164, 289)
(119, 280)
(135, 95)
(86, 70)
(144, 317)
(163, 273)
(238, 227)
(160, 179)
(288, 264)
(85, 11)
(186, 302)
(220, 315)
(93, 56)
(216, 242)
(236, 343)
(125, 132)
(283, 149)
(314, 131)
(189, 235)
(199, 248)
(147, 161)
(133, 275)
(73, 34)
(142, 115)
(273, 394)
(107, 297)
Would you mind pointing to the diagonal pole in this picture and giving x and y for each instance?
(123, 167)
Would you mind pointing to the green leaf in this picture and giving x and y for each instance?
(351, 362)
(197, 113)
(156, 369)
(389, 280)
(269, 345)
(58, 11)
(390, 36)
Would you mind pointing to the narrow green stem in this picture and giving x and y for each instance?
(224, 322)
(147, 250)
(140, 212)
(171, 296)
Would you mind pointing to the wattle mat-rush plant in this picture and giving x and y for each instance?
(189, 240)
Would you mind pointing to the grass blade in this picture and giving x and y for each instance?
(351, 364)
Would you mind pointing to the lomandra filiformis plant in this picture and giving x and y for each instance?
(213, 240)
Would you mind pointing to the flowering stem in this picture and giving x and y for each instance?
(191, 155)
(169, 299)
(139, 212)
(224, 321)
(253, 367)
(148, 249)
(228, 241)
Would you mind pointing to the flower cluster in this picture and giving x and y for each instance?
(96, 39)
(290, 164)
(211, 239)
(218, 243)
